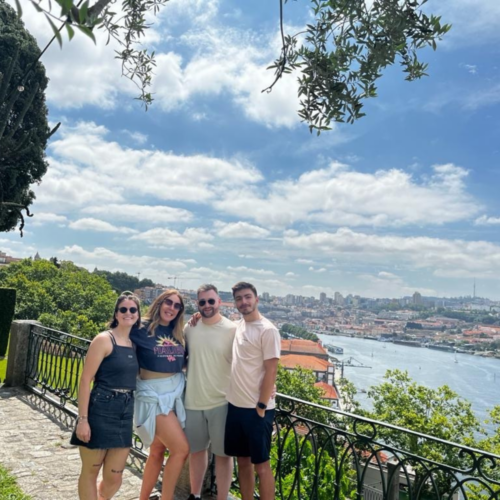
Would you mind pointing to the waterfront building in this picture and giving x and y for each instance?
(303, 347)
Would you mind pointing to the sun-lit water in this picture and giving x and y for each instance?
(474, 378)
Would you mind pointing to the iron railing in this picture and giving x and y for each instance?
(318, 453)
(324, 453)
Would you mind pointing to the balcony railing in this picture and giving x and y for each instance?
(318, 452)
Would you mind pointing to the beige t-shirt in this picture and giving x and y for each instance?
(254, 342)
(209, 363)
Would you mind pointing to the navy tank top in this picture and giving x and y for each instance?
(119, 369)
(160, 352)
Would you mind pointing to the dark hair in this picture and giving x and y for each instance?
(242, 285)
(207, 288)
(153, 315)
(126, 296)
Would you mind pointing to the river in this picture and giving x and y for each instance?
(473, 378)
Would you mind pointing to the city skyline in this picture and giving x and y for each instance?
(219, 182)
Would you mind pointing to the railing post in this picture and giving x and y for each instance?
(18, 352)
(393, 480)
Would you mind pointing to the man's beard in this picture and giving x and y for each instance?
(248, 310)
(210, 313)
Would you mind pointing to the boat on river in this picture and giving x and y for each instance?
(334, 349)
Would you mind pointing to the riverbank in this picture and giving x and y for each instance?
(472, 377)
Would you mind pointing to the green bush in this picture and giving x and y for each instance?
(7, 306)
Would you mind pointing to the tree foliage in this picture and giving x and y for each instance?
(338, 57)
(306, 472)
(437, 412)
(23, 118)
(299, 383)
(120, 281)
(297, 331)
(67, 298)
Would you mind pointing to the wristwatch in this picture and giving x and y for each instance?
(262, 406)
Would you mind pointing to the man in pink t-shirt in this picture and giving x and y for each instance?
(249, 424)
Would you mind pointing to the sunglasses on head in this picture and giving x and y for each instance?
(202, 302)
(176, 305)
(132, 310)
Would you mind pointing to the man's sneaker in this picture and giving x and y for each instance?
(192, 497)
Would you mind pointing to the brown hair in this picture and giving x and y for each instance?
(206, 288)
(153, 315)
(126, 296)
(242, 285)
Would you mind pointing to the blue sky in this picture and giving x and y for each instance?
(218, 182)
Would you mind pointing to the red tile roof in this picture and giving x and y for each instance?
(304, 361)
(329, 391)
(302, 345)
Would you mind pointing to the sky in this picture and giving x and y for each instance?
(218, 182)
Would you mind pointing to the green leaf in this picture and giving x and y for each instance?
(83, 12)
(19, 9)
(65, 6)
(87, 32)
(37, 7)
(57, 34)
(70, 30)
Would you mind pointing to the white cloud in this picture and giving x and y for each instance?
(84, 165)
(442, 256)
(240, 230)
(81, 73)
(472, 21)
(290, 274)
(167, 238)
(484, 220)
(244, 269)
(89, 224)
(390, 285)
(339, 196)
(230, 61)
(156, 268)
(300, 261)
(137, 137)
(317, 270)
(42, 218)
(147, 214)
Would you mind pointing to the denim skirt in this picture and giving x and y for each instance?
(110, 418)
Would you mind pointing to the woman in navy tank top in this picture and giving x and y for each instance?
(105, 413)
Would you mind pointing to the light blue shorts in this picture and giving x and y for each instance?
(154, 397)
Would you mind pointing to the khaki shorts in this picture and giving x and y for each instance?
(205, 427)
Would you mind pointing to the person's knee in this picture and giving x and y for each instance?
(181, 450)
(263, 469)
(244, 462)
(157, 452)
(110, 484)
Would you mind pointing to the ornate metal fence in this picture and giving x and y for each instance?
(318, 453)
(55, 363)
(323, 453)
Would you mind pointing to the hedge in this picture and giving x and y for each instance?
(7, 306)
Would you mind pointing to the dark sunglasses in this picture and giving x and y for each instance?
(176, 305)
(132, 310)
(202, 302)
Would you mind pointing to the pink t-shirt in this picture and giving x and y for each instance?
(254, 342)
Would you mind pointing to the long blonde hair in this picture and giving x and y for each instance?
(153, 315)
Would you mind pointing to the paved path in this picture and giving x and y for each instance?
(34, 445)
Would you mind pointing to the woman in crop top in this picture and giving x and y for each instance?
(159, 412)
(105, 414)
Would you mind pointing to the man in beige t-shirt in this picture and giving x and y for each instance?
(249, 423)
(209, 346)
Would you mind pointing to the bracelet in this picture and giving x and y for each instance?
(79, 419)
